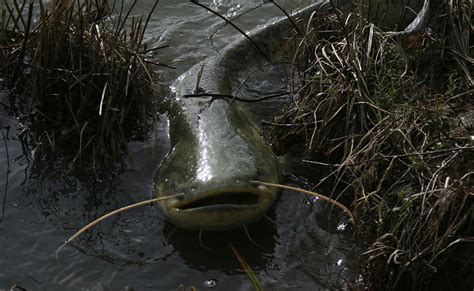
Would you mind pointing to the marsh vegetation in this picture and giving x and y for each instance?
(79, 76)
(387, 115)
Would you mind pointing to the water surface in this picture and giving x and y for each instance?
(301, 246)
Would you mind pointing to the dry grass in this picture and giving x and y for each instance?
(78, 74)
(383, 113)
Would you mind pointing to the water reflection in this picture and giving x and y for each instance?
(209, 250)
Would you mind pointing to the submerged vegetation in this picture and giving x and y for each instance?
(391, 118)
(78, 75)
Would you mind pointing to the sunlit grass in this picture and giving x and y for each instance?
(384, 109)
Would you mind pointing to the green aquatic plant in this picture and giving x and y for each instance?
(383, 111)
(247, 269)
(79, 74)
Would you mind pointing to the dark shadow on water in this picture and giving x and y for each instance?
(210, 250)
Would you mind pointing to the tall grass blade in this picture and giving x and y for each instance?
(248, 270)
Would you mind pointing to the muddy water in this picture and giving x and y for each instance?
(301, 246)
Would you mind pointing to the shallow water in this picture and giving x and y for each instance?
(301, 246)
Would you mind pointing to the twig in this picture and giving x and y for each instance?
(391, 157)
(228, 96)
(234, 26)
(234, 18)
(298, 30)
(23, 47)
(7, 175)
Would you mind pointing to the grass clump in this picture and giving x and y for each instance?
(78, 74)
(387, 115)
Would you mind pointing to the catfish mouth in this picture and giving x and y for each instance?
(234, 199)
(220, 208)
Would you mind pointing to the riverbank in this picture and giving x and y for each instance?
(390, 118)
